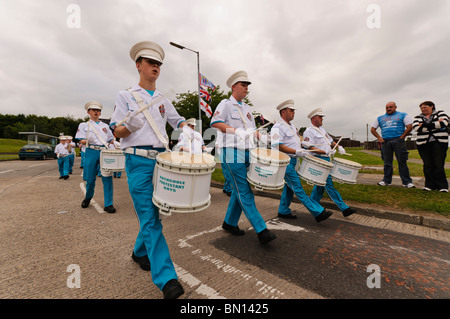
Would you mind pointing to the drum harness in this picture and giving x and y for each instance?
(151, 154)
(95, 147)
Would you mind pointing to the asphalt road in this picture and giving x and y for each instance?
(51, 248)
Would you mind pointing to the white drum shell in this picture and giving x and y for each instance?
(112, 161)
(267, 172)
(182, 187)
(345, 171)
(314, 170)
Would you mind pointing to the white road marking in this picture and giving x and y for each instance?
(36, 165)
(10, 170)
(262, 287)
(93, 203)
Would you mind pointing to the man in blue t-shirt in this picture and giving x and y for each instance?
(395, 126)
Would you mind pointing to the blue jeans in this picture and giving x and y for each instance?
(397, 146)
(317, 192)
(242, 198)
(150, 240)
(293, 185)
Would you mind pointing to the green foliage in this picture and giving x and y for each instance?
(11, 125)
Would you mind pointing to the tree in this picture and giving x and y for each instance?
(186, 105)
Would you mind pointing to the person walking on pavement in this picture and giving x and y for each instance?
(395, 127)
(286, 139)
(233, 118)
(96, 135)
(143, 135)
(317, 139)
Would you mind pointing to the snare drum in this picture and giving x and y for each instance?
(112, 161)
(314, 170)
(181, 182)
(345, 171)
(267, 168)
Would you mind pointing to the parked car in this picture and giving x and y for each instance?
(39, 151)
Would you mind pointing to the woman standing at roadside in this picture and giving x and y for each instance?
(432, 144)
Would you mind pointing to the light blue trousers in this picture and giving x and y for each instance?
(317, 192)
(227, 187)
(242, 198)
(150, 240)
(71, 161)
(63, 165)
(294, 186)
(90, 171)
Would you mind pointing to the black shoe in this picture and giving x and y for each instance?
(288, 216)
(143, 261)
(85, 202)
(266, 236)
(61, 177)
(110, 209)
(348, 212)
(228, 193)
(66, 177)
(172, 289)
(323, 215)
(234, 230)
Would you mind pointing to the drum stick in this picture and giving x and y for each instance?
(264, 125)
(157, 100)
(336, 144)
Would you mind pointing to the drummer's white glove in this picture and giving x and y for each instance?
(341, 150)
(133, 123)
(306, 144)
(241, 133)
(264, 138)
(300, 153)
(188, 132)
(331, 153)
(208, 149)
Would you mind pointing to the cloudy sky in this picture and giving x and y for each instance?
(348, 57)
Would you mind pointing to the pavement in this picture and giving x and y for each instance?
(416, 218)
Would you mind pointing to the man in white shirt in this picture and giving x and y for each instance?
(142, 142)
(96, 135)
(63, 158)
(193, 143)
(323, 144)
(286, 139)
(236, 125)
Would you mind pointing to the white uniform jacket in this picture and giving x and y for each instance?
(286, 134)
(102, 129)
(318, 138)
(161, 112)
(228, 112)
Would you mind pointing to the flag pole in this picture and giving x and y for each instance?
(199, 98)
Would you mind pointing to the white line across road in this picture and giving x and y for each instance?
(263, 288)
(96, 206)
(10, 170)
(37, 165)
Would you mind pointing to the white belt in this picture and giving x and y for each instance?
(151, 154)
(96, 147)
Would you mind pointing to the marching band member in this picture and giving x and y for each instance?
(285, 137)
(96, 135)
(71, 148)
(194, 145)
(63, 158)
(234, 119)
(143, 135)
(317, 138)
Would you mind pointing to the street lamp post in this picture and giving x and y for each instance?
(198, 81)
